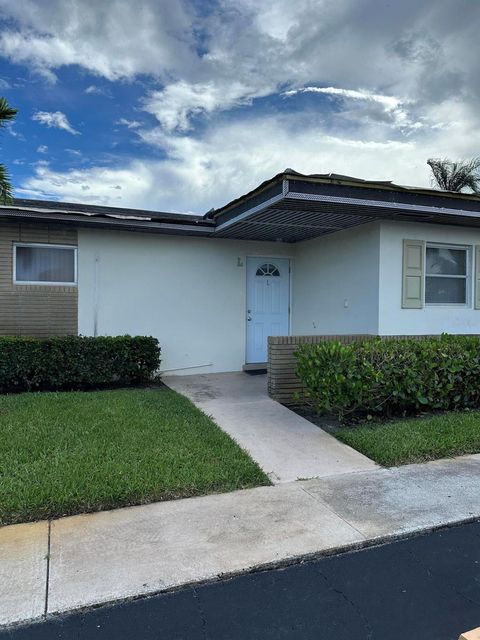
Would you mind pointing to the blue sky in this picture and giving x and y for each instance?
(181, 106)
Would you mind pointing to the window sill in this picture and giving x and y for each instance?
(448, 305)
(44, 284)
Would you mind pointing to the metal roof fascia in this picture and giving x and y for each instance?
(263, 186)
(253, 210)
(385, 185)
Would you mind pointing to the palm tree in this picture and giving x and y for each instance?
(7, 113)
(455, 176)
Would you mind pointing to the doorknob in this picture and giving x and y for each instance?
(249, 318)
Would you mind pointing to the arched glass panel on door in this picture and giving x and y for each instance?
(268, 269)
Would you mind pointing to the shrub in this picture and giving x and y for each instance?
(76, 362)
(391, 377)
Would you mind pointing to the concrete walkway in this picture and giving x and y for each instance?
(284, 444)
(50, 567)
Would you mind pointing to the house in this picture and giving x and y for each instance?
(298, 255)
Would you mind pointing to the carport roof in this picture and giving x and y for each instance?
(289, 207)
(292, 207)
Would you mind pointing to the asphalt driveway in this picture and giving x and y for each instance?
(416, 589)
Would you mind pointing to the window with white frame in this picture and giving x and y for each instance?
(447, 274)
(44, 264)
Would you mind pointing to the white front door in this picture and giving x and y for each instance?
(268, 289)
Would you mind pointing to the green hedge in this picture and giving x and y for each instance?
(76, 362)
(391, 377)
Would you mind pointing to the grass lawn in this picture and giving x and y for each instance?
(66, 453)
(416, 439)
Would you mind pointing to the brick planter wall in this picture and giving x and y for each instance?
(282, 381)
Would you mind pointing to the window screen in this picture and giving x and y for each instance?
(44, 264)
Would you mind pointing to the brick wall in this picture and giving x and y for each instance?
(35, 310)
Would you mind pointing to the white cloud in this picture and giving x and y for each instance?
(102, 185)
(232, 158)
(93, 89)
(55, 119)
(250, 49)
(130, 124)
(394, 107)
(178, 102)
(42, 148)
(10, 128)
(256, 49)
(405, 85)
(102, 37)
(389, 102)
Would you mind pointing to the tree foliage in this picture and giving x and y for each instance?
(7, 114)
(450, 175)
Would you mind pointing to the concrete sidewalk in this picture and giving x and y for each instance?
(89, 559)
(284, 444)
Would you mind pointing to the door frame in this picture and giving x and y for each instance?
(256, 256)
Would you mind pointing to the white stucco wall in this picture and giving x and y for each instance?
(431, 319)
(335, 283)
(188, 292)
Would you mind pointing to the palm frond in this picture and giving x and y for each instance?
(449, 175)
(7, 113)
(6, 193)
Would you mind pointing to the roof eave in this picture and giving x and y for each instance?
(126, 224)
(333, 179)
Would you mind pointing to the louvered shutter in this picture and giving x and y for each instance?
(477, 277)
(413, 274)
